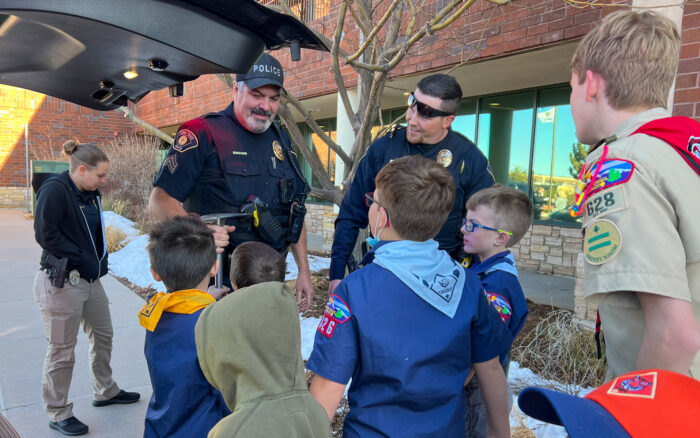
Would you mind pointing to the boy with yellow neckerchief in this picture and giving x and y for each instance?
(639, 194)
(183, 257)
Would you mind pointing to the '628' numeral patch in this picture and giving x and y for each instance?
(605, 202)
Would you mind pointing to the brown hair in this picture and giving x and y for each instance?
(637, 55)
(418, 194)
(86, 154)
(256, 262)
(511, 209)
(182, 251)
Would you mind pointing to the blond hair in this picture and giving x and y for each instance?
(511, 209)
(417, 194)
(637, 55)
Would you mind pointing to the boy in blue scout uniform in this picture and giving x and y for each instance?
(431, 111)
(409, 325)
(183, 256)
(221, 162)
(497, 218)
(638, 192)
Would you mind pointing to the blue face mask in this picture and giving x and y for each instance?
(371, 241)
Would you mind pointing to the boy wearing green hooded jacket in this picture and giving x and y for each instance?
(249, 348)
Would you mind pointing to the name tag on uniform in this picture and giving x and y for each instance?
(605, 202)
(239, 153)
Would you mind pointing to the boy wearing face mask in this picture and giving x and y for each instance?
(409, 325)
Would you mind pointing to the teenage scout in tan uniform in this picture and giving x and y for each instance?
(638, 194)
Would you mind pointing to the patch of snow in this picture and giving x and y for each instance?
(126, 226)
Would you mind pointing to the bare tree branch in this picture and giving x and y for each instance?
(360, 22)
(335, 68)
(317, 129)
(374, 32)
(148, 127)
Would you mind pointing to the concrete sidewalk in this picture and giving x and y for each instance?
(23, 346)
(23, 341)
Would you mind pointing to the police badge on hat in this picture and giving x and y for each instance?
(444, 157)
(277, 149)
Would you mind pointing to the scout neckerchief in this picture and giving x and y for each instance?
(184, 301)
(681, 133)
(586, 178)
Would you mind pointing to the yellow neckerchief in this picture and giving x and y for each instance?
(183, 301)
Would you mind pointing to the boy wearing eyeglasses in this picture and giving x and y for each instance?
(497, 218)
(409, 326)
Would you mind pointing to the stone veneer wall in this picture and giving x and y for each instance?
(13, 197)
(319, 221)
(549, 249)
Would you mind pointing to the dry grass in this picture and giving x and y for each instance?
(114, 237)
(557, 349)
(134, 162)
(46, 150)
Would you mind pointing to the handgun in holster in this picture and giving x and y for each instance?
(264, 222)
(57, 270)
(296, 222)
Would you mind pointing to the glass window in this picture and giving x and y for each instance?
(505, 135)
(465, 122)
(325, 154)
(557, 157)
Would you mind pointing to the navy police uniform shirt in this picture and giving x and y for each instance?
(499, 277)
(465, 162)
(407, 360)
(193, 173)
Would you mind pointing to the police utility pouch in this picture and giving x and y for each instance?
(57, 270)
(264, 222)
(296, 222)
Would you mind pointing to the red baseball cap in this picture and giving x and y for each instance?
(650, 403)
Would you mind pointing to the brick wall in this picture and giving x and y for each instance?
(687, 96)
(484, 31)
(51, 123)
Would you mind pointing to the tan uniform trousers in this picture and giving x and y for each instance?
(63, 309)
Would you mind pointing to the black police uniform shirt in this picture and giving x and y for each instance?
(462, 159)
(192, 172)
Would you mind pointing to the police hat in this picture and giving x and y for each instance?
(266, 71)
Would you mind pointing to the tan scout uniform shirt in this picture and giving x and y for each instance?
(657, 250)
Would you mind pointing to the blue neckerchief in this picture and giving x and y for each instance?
(503, 261)
(428, 272)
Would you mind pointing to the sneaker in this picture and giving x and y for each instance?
(70, 426)
(123, 398)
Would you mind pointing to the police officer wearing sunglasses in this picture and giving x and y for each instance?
(429, 116)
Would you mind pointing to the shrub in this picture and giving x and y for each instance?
(558, 349)
(134, 161)
(114, 237)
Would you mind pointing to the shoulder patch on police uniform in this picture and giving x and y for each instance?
(185, 141)
(336, 312)
(605, 202)
(613, 172)
(171, 163)
(502, 306)
(602, 242)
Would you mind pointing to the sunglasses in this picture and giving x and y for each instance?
(425, 110)
(469, 227)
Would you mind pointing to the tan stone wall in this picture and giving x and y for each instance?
(584, 309)
(549, 249)
(13, 197)
(319, 221)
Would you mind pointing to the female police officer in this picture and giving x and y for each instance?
(69, 228)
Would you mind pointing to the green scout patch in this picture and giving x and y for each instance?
(604, 203)
(602, 242)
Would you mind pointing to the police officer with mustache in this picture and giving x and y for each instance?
(237, 158)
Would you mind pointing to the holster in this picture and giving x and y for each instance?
(296, 222)
(264, 222)
(57, 270)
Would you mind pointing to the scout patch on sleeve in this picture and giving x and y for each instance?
(185, 141)
(171, 163)
(613, 172)
(604, 203)
(336, 312)
(601, 242)
(502, 306)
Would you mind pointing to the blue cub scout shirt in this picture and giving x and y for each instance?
(183, 403)
(499, 277)
(467, 165)
(407, 360)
